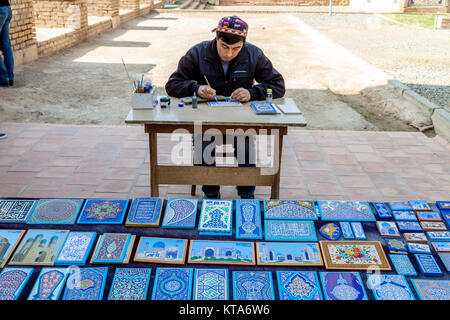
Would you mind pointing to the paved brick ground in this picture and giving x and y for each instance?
(40, 160)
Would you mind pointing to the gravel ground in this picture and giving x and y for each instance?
(418, 58)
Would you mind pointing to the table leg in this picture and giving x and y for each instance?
(275, 193)
(153, 147)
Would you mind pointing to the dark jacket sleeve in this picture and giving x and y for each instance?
(181, 83)
(267, 77)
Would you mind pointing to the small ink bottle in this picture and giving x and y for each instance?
(269, 96)
(194, 101)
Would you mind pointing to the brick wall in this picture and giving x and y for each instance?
(22, 31)
(103, 8)
(287, 2)
(129, 4)
(60, 14)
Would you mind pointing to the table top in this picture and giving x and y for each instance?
(217, 115)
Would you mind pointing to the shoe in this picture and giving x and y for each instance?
(2, 135)
(4, 83)
(11, 83)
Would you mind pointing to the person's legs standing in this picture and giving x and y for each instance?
(244, 152)
(7, 63)
(207, 144)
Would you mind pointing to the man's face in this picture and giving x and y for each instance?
(228, 52)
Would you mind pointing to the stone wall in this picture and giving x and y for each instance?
(103, 8)
(129, 4)
(22, 31)
(70, 14)
(285, 2)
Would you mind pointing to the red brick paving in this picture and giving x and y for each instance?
(43, 160)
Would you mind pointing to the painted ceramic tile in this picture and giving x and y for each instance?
(12, 282)
(288, 254)
(113, 248)
(130, 284)
(39, 247)
(409, 226)
(445, 259)
(86, 283)
(428, 216)
(210, 284)
(145, 212)
(342, 286)
(298, 285)
(289, 209)
(100, 211)
(248, 219)
(396, 246)
(330, 231)
(443, 205)
(428, 265)
(49, 284)
(354, 255)
(221, 252)
(180, 213)
(402, 264)
(389, 287)
(382, 210)
(433, 226)
(388, 229)
(432, 289)
(342, 210)
(161, 250)
(400, 205)
(253, 285)
(56, 211)
(216, 216)
(76, 248)
(347, 231)
(172, 284)
(16, 211)
(418, 247)
(404, 215)
(441, 246)
(358, 230)
(438, 235)
(289, 230)
(419, 205)
(415, 237)
(9, 239)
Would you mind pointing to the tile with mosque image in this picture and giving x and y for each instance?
(288, 254)
(161, 250)
(221, 252)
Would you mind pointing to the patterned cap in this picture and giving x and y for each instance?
(233, 25)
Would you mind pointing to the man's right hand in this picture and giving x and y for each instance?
(206, 92)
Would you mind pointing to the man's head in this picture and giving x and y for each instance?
(230, 36)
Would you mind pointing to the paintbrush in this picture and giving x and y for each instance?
(209, 86)
(129, 78)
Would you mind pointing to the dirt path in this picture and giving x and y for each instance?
(87, 84)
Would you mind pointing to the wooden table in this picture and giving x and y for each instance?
(222, 119)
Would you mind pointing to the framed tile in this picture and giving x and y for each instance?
(145, 212)
(113, 248)
(49, 284)
(289, 230)
(438, 235)
(433, 226)
(103, 211)
(389, 287)
(415, 237)
(221, 252)
(12, 281)
(419, 247)
(342, 210)
(130, 284)
(441, 246)
(419, 205)
(288, 254)
(289, 209)
(382, 210)
(211, 284)
(428, 216)
(77, 288)
(402, 264)
(356, 255)
(428, 265)
(347, 230)
(173, 284)
(253, 285)
(397, 246)
(9, 240)
(76, 248)
(56, 211)
(342, 286)
(161, 250)
(180, 213)
(409, 226)
(388, 229)
(428, 289)
(248, 219)
(16, 211)
(404, 215)
(298, 285)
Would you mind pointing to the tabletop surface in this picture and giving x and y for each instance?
(213, 115)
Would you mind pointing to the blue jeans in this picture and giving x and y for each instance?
(7, 63)
(244, 152)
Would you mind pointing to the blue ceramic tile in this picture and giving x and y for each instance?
(388, 229)
(130, 284)
(210, 284)
(400, 205)
(404, 215)
(298, 285)
(145, 211)
(289, 230)
(289, 209)
(438, 235)
(49, 284)
(347, 230)
(342, 286)
(216, 216)
(409, 226)
(358, 230)
(428, 216)
(432, 289)
(397, 245)
(419, 205)
(428, 265)
(180, 213)
(419, 247)
(16, 211)
(12, 282)
(330, 231)
(112, 248)
(173, 284)
(86, 283)
(342, 210)
(76, 248)
(253, 285)
(445, 258)
(382, 210)
(100, 211)
(389, 287)
(248, 219)
(443, 205)
(402, 264)
(56, 211)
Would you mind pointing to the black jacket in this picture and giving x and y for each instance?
(250, 65)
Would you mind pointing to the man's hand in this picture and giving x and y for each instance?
(206, 92)
(241, 95)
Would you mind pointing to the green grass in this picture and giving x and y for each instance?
(414, 19)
